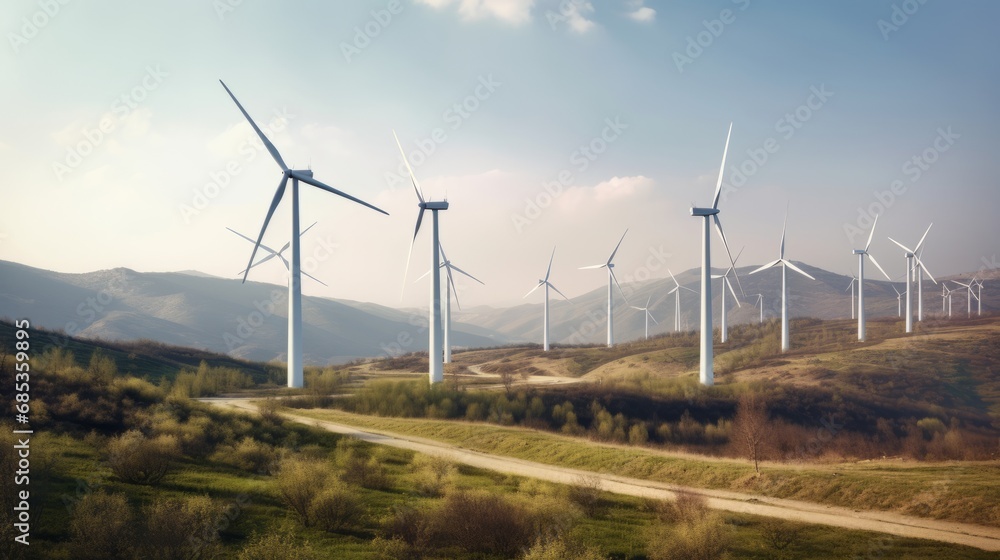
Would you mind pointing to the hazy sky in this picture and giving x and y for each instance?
(620, 108)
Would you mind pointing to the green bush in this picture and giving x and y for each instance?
(102, 528)
(336, 508)
(137, 459)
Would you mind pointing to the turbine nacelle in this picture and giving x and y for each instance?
(704, 211)
(434, 205)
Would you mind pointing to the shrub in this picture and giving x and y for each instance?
(255, 456)
(101, 528)
(276, 545)
(179, 529)
(586, 493)
(135, 458)
(561, 549)
(482, 523)
(336, 508)
(434, 475)
(704, 539)
(685, 508)
(298, 481)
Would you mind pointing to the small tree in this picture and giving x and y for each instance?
(102, 528)
(137, 459)
(298, 482)
(750, 427)
(507, 379)
(276, 545)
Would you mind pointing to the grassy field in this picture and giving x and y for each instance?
(964, 491)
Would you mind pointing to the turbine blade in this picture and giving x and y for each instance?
(270, 212)
(796, 269)
(781, 250)
(722, 168)
(592, 266)
(674, 290)
(456, 269)
(307, 229)
(875, 262)
(240, 234)
(924, 268)
(539, 285)
(454, 289)
(722, 234)
(672, 278)
(413, 178)
(313, 277)
(422, 276)
(689, 289)
(267, 143)
(558, 292)
(549, 269)
(872, 234)
(612, 257)
(620, 290)
(655, 322)
(409, 254)
(328, 188)
(766, 266)
(647, 302)
(732, 291)
(904, 247)
(921, 242)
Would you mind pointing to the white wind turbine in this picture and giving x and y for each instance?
(723, 329)
(271, 253)
(785, 265)
(295, 271)
(946, 297)
(612, 280)
(979, 295)
(854, 280)
(677, 300)
(899, 301)
(450, 286)
(648, 315)
(545, 313)
(706, 373)
(911, 256)
(862, 253)
(968, 295)
(435, 346)
(760, 305)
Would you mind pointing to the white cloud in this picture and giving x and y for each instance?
(613, 190)
(510, 11)
(577, 13)
(644, 14)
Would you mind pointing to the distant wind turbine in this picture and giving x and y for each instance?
(862, 253)
(271, 253)
(854, 280)
(968, 295)
(435, 344)
(295, 284)
(899, 301)
(545, 313)
(723, 329)
(760, 305)
(979, 294)
(911, 256)
(946, 297)
(706, 372)
(648, 315)
(785, 265)
(677, 300)
(612, 280)
(450, 288)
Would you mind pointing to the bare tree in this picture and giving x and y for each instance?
(750, 426)
(507, 378)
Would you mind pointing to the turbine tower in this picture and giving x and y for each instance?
(612, 279)
(968, 295)
(899, 302)
(295, 280)
(785, 265)
(862, 253)
(946, 297)
(706, 373)
(648, 315)
(760, 305)
(545, 313)
(435, 344)
(911, 256)
(271, 253)
(723, 330)
(854, 280)
(979, 295)
(677, 300)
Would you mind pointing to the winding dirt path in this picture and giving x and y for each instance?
(985, 538)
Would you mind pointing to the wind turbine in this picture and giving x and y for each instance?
(677, 300)
(785, 265)
(649, 315)
(862, 253)
(911, 256)
(968, 295)
(760, 305)
(725, 282)
(854, 280)
(706, 374)
(946, 296)
(272, 253)
(435, 349)
(899, 302)
(545, 314)
(979, 295)
(295, 280)
(449, 287)
(612, 279)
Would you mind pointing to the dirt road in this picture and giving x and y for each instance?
(985, 538)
